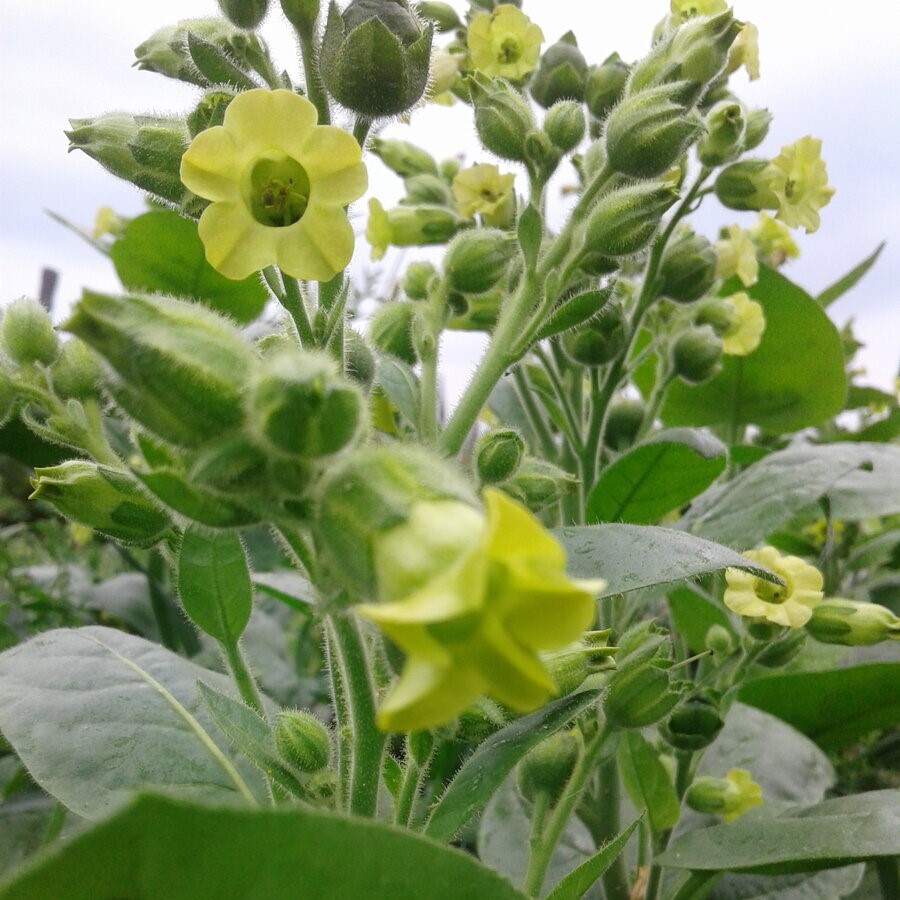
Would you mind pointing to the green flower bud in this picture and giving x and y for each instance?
(546, 769)
(443, 15)
(417, 279)
(574, 311)
(725, 124)
(302, 14)
(359, 361)
(688, 267)
(498, 454)
(600, 340)
(391, 330)
(717, 313)
(538, 483)
(27, 333)
(647, 133)
(570, 666)
(699, 48)
(474, 312)
(757, 127)
(75, 371)
(404, 158)
(235, 465)
(565, 124)
(693, 725)
(244, 13)
(300, 406)
(625, 220)
(375, 56)
(591, 162)
(728, 797)
(177, 368)
(697, 354)
(479, 721)
(541, 154)
(623, 422)
(605, 84)
(783, 649)
(561, 73)
(720, 640)
(477, 260)
(425, 188)
(840, 621)
(209, 112)
(746, 185)
(302, 740)
(503, 118)
(640, 695)
(104, 499)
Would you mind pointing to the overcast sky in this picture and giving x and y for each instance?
(828, 69)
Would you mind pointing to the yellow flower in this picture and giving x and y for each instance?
(685, 9)
(773, 241)
(799, 181)
(408, 226)
(746, 327)
(790, 605)
(470, 600)
(745, 52)
(445, 68)
(504, 43)
(279, 184)
(736, 255)
(482, 189)
(728, 797)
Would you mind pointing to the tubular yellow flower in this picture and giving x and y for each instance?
(736, 255)
(745, 52)
(791, 605)
(800, 182)
(745, 330)
(472, 607)
(482, 189)
(278, 184)
(504, 43)
(773, 241)
(728, 797)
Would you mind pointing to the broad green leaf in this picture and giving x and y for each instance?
(631, 557)
(158, 848)
(483, 772)
(24, 824)
(842, 285)
(126, 597)
(657, 476)
(96, 714)
(214, 583)
(574, 885)
(830, 883)
(161, 252)
(834, 707)
(794, 379)
(288, 586)
(399, 383)
(805, 838)
(873, 488)
(693, 616)
(22, 444)
(647, 781)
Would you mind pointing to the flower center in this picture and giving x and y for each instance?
(771, 593)
(507, 48)
(277, 190)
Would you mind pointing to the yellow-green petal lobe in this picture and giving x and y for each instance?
(318, 246)
(209, 166)
(235, 245)
(260, 120)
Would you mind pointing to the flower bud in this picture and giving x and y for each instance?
(359, 361)
(209, 112)
(565, 125)
(498, 454)
(391, 330)
(693, 725)
(409, 226)
(756, 128)
(570, 666)
(697, 354)
(728, 797)
(75, 372)
(404, 158)
(720, 640)
(427, 189)
(541, 155)
(725, 124)
(640, 694)
(27, 333)
(477, 260)
(417, 279)
(600, 340)
(747, 185)
(302, 740)
(574, 311)
(538, 483)
(302, 14)
(605, 84)
(647, 133)
(782, 650)
(699, 48)
(177, 368)
(623, 422)
(503, 118)
(244, 13)
(561, 73)
(299, 405)
(546, 769)
(443, 15)
(718, 313)
(840, 621)
(104, 499)
(625, 220)
(688, 267)
(480, 720)
(375, 56)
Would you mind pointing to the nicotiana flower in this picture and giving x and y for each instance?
(687, 8)
(745, 51)
(409, 226)
(278, 183)
(475, 598)
(798, 179)
(736, 255)
(482, 189)
(728, 797)
(745, 330)
(790, 605)
(773, 241)
(504, 43)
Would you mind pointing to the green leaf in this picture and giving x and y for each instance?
(215, 65)
(161, 252)
(214, 583)
(647, 781)
(399, 383)
(842, 285)
(574, 885)
(483, 772)
(288, 586)
(872, 488)
(158, 848)
(631, 557)
(833, 707)
(831, 883)
(530, 232)
(95, 714)
(806, 838)
(663, 473)
(693, 616)
(794, 379)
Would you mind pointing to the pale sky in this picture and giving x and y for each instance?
(829, 69)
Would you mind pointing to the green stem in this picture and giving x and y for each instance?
(295, 304)
(696, 886)
(243, 678)
(428, 348)
(573, 422)
(542, 803)
(615, 878)
(361, 130)
(533, 414)
(314, 88)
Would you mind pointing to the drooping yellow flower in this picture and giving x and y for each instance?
(482, 189)
(470, 600)
(746, 327)
(504, 43)
(736, 255)
(445, 68)
(800, 182)
(745, 51)
(278, 184)
(791, 605)
(773, 241)
(685, 9)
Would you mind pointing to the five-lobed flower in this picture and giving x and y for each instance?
(799, 180)
(278, 183)
(745, 329)
(504, 43)
(736, 255)
(482, 189)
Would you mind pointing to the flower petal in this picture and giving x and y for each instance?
(332, 159)
(210, 166)
(318, 246)
(236, 245)
(261, 120)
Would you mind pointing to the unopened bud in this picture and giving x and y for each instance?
(443, 15)
(746, 185)
(409, 226)
(623, 422)
(697, 354)
(404, 158)
(27, 333)
(498, 454)
(693, 725)
(302, 14)
(605, 84)
(477, 260)
(757, 128)
(209, 112)
(625, 220)
(503, 118)
(302, 740)
(600, 340)
(244, 13)
(723, 141)
(840, 621)
(538, 483)
(688, 267)
(417, 279)
(561, 73)
(75, 371)
(359, 361)
(565, 125)
(391, 330)
(546, 769)
(640, 695)
(570, 666)
(720, 640)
